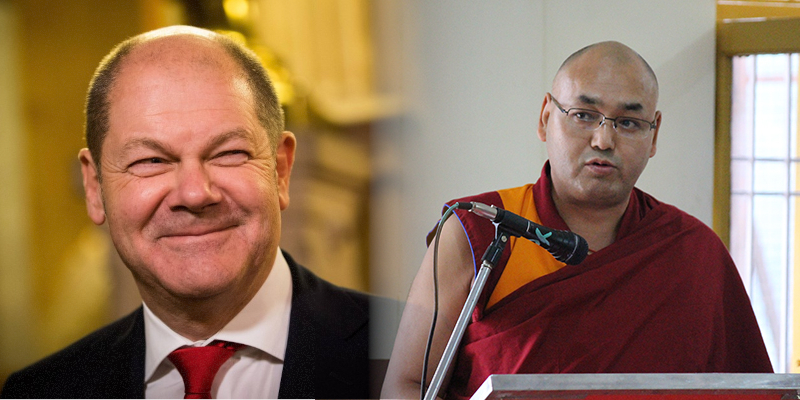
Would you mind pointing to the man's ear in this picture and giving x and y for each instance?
(544, 118)
(655, 134)
(91, 187)
(283, 166)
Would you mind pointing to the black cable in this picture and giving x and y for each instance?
(445, 216)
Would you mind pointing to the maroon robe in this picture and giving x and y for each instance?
(665, 297)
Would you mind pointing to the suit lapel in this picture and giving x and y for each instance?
(297, 380)
(123, 376)
(327, 336)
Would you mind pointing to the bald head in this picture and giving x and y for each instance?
(609, 55)
(179, 47)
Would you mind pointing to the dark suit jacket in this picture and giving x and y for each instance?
(326, 353)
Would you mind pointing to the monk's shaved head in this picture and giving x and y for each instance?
(611, 79)
(611, 53)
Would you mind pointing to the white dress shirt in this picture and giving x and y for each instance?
(255, 370)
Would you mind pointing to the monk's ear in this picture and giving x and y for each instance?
(544, 117)
(91, 187)
(655, 134)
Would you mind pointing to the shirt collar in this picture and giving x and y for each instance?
(263, 323)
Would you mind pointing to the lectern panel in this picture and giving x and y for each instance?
(641, 387)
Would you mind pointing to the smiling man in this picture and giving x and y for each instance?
(189, 165)
(657, 293)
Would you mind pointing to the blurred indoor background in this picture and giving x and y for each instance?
(398, 106)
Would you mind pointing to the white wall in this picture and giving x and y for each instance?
(475, 74)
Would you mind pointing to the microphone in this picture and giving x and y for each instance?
(565, 246)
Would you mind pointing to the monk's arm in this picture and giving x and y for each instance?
(455, 276)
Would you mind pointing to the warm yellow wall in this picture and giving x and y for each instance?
(15, 315)
(60, 44)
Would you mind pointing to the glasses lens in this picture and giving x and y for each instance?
(586, 119)
(590, 120)
(632, 126)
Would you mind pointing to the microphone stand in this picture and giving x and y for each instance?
(490, 259)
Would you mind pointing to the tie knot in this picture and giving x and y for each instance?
(199, 365)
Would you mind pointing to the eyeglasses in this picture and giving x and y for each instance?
(591, 119)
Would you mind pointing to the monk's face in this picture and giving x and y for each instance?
(599, 167)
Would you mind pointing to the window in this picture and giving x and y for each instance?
(756, 173)
(764, 190)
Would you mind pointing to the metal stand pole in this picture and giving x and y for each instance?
(490, 259)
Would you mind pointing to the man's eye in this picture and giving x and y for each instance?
(148, 166)
(585, 116)
(629, 124)
(148, 161)
(232, 157)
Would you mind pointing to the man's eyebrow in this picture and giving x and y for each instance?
(632, 106)
(144, 142)
(231, 135)
(594, 101)
(160, 147)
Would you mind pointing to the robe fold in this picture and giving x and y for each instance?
(665, 297)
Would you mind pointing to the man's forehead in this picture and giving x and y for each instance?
(162, 89)
(628, 104)
(622, 90)
(149, 90)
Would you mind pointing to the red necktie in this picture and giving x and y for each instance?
(199, 365)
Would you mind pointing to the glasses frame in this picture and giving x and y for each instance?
(602, 121)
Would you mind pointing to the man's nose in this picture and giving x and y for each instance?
(194, 188)
(604, 136)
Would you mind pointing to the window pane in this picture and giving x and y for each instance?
(765, 193)
(772, 106)
(770, 270)
(770, 234)
(792, 279)
(795, 57)
(762, 302)
(741, 236)
(770, 177)
(741, 177)
(742, 107)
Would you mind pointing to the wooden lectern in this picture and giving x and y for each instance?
(706, 386)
